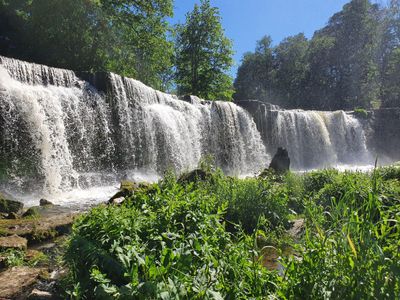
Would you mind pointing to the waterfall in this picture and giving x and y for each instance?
(315, 139)
(60, 133)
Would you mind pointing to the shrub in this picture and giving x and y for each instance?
(171, 243)
(202, 239)
(361, 113)
(352, 252)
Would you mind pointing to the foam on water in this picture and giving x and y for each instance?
(66, 141)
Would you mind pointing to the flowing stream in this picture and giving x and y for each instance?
(64, 139)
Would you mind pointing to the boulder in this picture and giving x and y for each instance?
(280, 162)
(32, 212)
(127, 185)
(269, 257)
(194, 176)
(44, 202)
(9, 206)
(297, 229)
(126, 189)
(13, 242)
(17, 281)
(118, 196)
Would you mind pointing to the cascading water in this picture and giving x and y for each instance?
(59, 133)
(315, 139)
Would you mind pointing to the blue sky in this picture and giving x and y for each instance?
(246, 21)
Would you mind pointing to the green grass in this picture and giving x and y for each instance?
(200, 240)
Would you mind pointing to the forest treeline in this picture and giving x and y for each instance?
(354, 61)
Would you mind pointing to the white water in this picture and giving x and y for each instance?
(318, 139)
(64, 140)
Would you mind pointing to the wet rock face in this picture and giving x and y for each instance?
(194, 176)
(49, 222)
(384, 135)
(9, 206)
(44, 202)
(281, 161)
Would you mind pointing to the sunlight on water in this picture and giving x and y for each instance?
(67, 142)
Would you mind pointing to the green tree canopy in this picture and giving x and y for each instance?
(255, 75)
(125, 36)
(203, 55)
(390, 56)
(349, 63)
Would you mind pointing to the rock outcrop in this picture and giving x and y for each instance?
(13, 242)
(50, 221)
(384, 134)
(194, 176)
(15, 282)
(281, 161)
(9, 205)
(44, 202)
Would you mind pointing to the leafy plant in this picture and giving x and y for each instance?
(207, 239)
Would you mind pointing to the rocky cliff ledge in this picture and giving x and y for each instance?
(384, 137)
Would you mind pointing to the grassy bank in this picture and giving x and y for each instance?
(206, 239)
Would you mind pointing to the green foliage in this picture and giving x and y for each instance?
(168, 244)
(352, 62)
(361, 113)
(14, 258)
(254, 79)
(390, 172)
(316, 180)
(391, 80)
(128, 37)
(203, 239)
(350, 251)
(203, 55)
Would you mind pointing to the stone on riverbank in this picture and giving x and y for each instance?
(40, 295)
(17, 281)
(194, 176)
(32, 212)
(51, 222)
(13, 242)
(9, 206)
(126, 189)
(280, 162)
(44, 202)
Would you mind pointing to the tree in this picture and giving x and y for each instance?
(391, 80)
(291, 66)
(126, 36)
(203, 55)
(390, 56)
(352, 59)
(320, 82)
(339, 68)
(254, 78)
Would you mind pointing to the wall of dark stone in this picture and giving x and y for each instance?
(384, 133)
